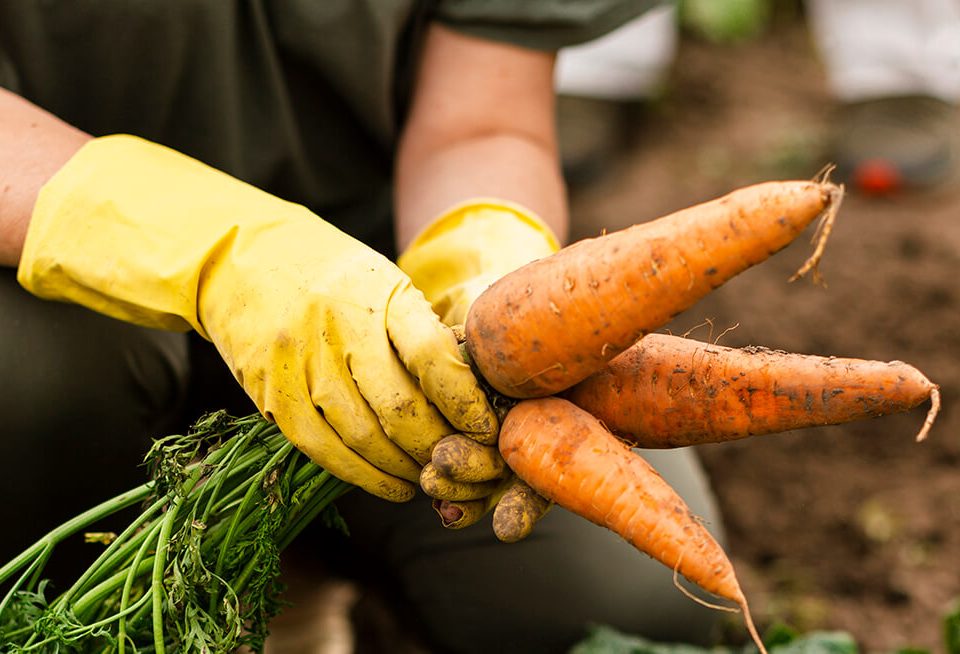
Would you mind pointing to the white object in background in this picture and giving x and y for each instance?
(628, 63)
(877, 48)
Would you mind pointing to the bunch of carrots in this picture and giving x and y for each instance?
(566, 345)
(567, 339)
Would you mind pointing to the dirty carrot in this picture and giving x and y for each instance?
(568, 457)
(553, 322)
(669, 391)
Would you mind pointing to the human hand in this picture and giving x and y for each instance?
(329, 338)
(453, 261)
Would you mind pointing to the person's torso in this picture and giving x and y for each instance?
(302, 98)
(296, 96)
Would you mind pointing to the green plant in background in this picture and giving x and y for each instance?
(725, 21)
(779, 639)
(951, 629)
(198, 569)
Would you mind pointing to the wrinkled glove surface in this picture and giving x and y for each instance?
(470, 246)
(329, 339)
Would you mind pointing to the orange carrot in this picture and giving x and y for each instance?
(567, 456)
(553, 322)
(668, 391)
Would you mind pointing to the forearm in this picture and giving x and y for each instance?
(34, 145)
(481, 124)
(506, 165)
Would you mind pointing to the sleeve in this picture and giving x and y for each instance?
(540, 24)
(8, 74)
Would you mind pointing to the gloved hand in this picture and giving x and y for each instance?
(453, 261)
(470, 246)
(328, 338)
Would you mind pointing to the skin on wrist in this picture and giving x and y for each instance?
(481, 124)
(34, 145)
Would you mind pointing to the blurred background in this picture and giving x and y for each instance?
(858, 527)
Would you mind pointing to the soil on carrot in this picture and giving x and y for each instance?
(856, 527)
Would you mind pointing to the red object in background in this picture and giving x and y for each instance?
(877, 177)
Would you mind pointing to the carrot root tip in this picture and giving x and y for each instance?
(741, 605)
(698, 600)
(751, 628)
(931, 414)
(823, 177)
(820, 236)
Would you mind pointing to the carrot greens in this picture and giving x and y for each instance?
(197, 569)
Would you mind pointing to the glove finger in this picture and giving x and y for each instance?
(439, 487)
(430, 352)
(344, 408)
(460, 458)
(457, 515)
(403, 411)
(455, 304)
(309, 432)
(517, 511)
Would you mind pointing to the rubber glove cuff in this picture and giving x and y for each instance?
(468, 247)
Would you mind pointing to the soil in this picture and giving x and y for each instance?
(856, 527)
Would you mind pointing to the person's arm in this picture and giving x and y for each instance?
(481, 124)
(34, 145)
(142, 233)
(478, 189)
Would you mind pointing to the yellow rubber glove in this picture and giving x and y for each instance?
(330, 339)
(453, 261)
(470, 246)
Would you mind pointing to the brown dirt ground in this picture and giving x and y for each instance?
(856, 527)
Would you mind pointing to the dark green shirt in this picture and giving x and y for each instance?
(303, 98)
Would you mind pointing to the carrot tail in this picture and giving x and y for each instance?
(931, 414)
(824, 229)
(741, 606)
(751, 627)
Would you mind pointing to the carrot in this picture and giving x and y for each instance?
(568, 457)
(553, 322)
(668, 391)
